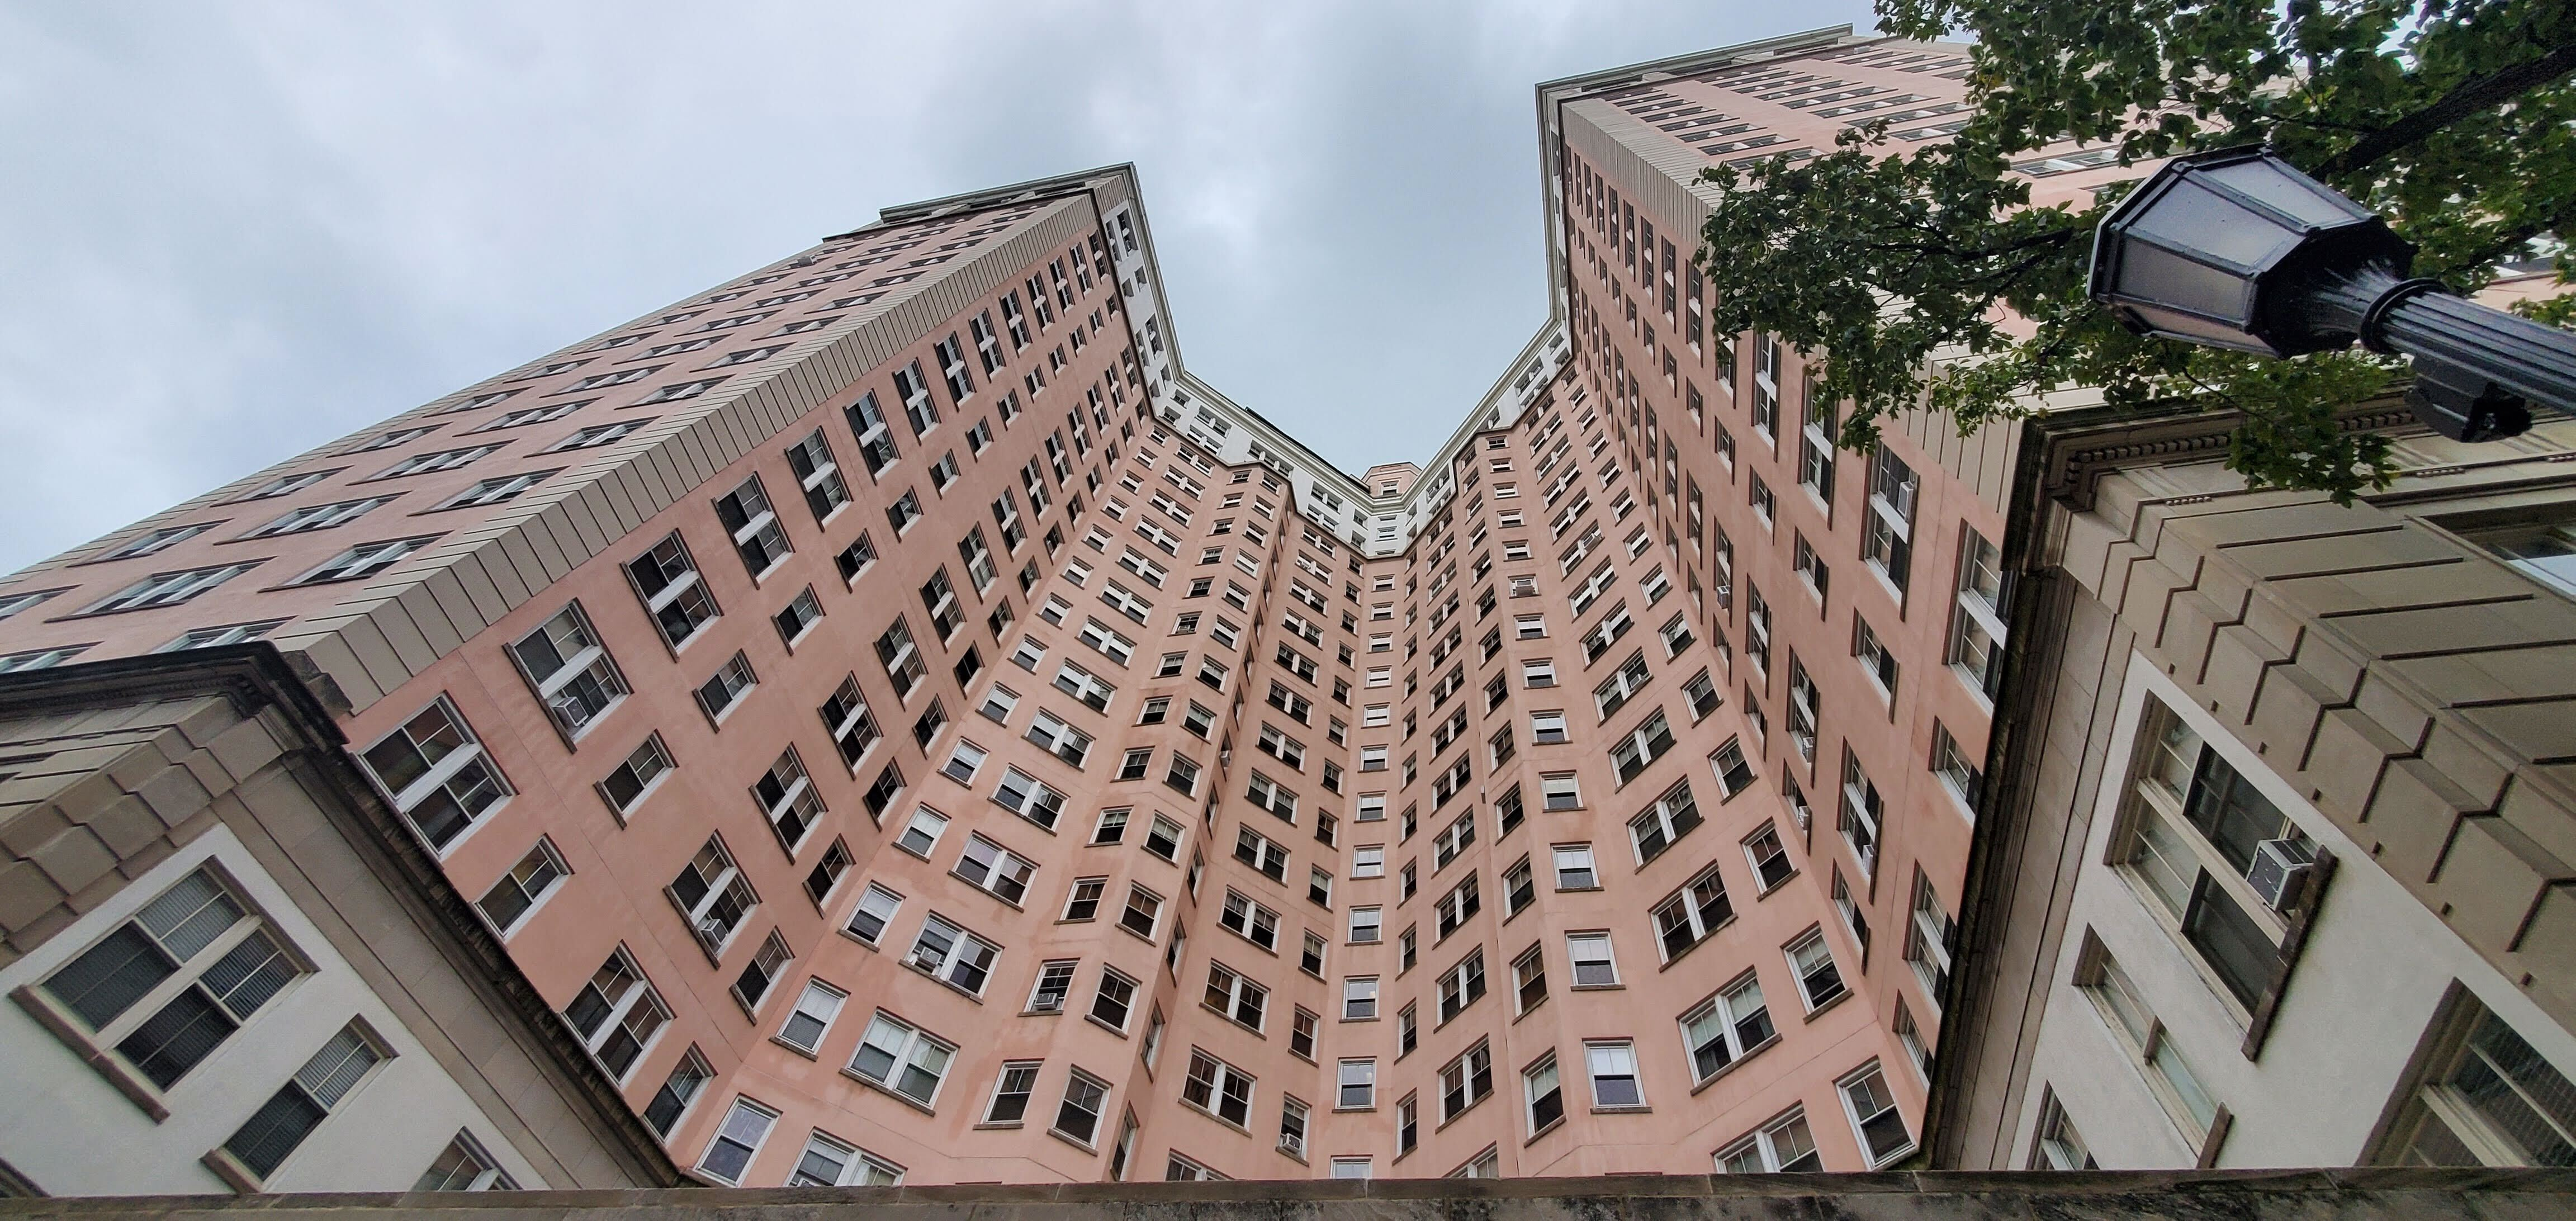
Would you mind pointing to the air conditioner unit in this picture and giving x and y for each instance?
(1292, 1144)
(2279, 871)
(711, 931)
(571, 711)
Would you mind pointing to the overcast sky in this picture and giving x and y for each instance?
(232, 231)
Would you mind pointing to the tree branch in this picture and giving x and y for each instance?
(2465, 99)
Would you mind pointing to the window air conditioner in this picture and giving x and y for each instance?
(571, 711)
(2279, 871)
(711, 931)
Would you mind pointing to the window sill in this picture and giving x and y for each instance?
(1732, 1065)
(1596, 987)
(1463, 1112)
(802, 1051)
(1087, 1147)
(106, 1063)
(235, 1175)
(1760, 894)
(1095, 1020)
(1637, 1109)
(1000, 1127)
(1819, 1011)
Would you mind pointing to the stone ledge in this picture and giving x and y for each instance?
(2366, 1192)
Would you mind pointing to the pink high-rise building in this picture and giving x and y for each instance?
(908, 725)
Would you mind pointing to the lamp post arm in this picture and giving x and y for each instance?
(2477, 368)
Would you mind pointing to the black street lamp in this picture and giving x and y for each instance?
(2238, 249)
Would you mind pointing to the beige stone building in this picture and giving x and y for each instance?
(2281, 871)
(233, 969)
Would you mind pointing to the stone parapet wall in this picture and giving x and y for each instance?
(2310, 1195)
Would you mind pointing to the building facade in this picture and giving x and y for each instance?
(909, 728)
(232, 970)
(2282, 873)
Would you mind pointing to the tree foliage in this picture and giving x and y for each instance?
(2456, 119)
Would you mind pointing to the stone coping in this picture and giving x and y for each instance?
(2368, 1192)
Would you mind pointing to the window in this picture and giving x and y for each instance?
(1011, 1090)
(875, 910)
(1771, 864)
(921, 832)
(1051, 732)
(1143, 912)
(1927, 940)
(2056, 1145)
(1359, 998)
(833, 1163)
(787, 800)
(1804, 703)
(1689, 915)
(298, 521)
(1546, 1099)
(1861, 812)
(1112, 826)
(1113, 999)
(616, 1014)
(1784, 1145)
(1466, 1081)
(989, 867)
(528, 884)
(756, 534)
(198, 638)
(1594, 966)
(1674, 815)
(1819, 981)
(1218, 1088)
(1028, 797)
(464, 1166)
(1560, 792)
(1232, 995)
(154, 541)
(434, 770)
(1641, 746)
(812, 1016)
(1368, 861)
(573, 676)
(1366, 925)
(726, 687)
(1455, 907)
(1957, 770)
(1163, 839)
(1726, 1027)
(1872, 1109)
(1462, 985)
(901, 660)
(2486, 1098)
(1547, 727)
(949, 953)
(2139, 1032)
(1887, 534)
(1258, 851)
(1357, 1091)
(1250, 920)
(363, 560)
(1977, 632)
(1574, 869)
(166, 988)
(1077, 1117)
(272, 1132)
(666, 578)
(1614, 1075)
(902, 1058)
(2192, 830)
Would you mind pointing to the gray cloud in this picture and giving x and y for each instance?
(233, 232)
